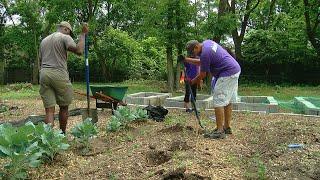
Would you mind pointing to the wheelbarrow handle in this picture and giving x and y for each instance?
(83, 94)
(111, 99)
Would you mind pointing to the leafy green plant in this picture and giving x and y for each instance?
(123, 116)
(18, 145)
(3, 108)
(141, 114)
(27, 146)
(50, 141)
(83, 132)
(114, 124)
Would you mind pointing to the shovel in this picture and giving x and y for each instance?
(193, 102)
(88, 113)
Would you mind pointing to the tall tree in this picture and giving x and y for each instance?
(222, 11)
(243, 10)
(169, 24)
(183, 15)
(312, 18)
(2, 63)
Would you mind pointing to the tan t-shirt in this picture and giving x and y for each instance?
(53, 51)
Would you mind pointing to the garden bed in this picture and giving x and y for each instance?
(203, 101)
(173, 148)
(147, 98)
(256, 103)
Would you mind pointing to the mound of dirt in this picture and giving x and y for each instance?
(176, 128)
(179, 174)
(156, 157)
(179, 145)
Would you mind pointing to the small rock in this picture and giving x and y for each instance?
(159, 172)
(152, 146)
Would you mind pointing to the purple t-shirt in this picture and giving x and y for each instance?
(191, 70)
(216, 60)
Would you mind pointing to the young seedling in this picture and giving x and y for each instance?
(83, 132)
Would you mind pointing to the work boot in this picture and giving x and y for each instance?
(228, 130)
(216, 135)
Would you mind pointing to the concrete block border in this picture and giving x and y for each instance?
(147, 98)
(257, 103)
(203, 101)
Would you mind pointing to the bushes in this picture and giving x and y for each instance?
(277, 56)
(121, 57)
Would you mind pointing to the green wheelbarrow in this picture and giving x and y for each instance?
(108, 96)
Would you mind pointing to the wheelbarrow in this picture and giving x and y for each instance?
(107, 96)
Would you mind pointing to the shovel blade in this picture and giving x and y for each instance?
(90, 113)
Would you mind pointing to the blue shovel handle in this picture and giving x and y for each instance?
(87, 69)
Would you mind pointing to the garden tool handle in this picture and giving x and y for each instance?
(87, 69)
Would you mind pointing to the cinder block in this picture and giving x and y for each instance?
(203, 101)
(257, 103)
(146, 98)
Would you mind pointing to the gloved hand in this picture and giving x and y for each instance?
(181, 58)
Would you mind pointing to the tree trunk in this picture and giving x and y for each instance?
(179, 43)
(36, 66)
(311, 31)
(170, 68)
(2, 73)
(2, 60)
(178, 70)
(236, 37)
(104, 69)
(237, 45)
(222, 10)
(169, 45)
(271, 12)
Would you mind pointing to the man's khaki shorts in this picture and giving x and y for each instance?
(55, 87)
(225, 90)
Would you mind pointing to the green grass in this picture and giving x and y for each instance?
(282, 93)
(18, 91)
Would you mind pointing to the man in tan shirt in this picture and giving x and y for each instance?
(55, 86)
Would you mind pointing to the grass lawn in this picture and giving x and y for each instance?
(282, 93)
